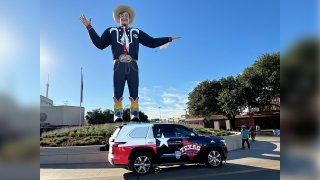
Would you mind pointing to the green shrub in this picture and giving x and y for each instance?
(72, 134)
(99, 135)
(78, 136)
(45, 143)
(208, 131)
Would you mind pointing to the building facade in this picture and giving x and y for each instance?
(55, 117)
(45, 101)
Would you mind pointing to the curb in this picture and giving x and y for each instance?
(233, 142)
(92, 154)
(73, 154)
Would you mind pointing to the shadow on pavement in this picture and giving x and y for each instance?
(227, 171)
(259, 149)
(77, 166)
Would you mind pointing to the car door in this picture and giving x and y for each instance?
(189, 147)
(169, 141)
(164, 136)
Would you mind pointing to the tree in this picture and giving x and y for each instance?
(143, 117)
(126, 116)
(261, 81)
(108, 115)
(250, 92)
(203, 99)
(155, 120)
(257, 86)
(96, 117)
(230, 98)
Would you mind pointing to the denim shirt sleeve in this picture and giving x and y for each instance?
(151, 42)
(100, 42)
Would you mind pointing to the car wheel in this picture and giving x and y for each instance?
(213, 158)
(141, 164)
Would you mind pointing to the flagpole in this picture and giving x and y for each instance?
(81, 94)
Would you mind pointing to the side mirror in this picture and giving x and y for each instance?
(191, 135)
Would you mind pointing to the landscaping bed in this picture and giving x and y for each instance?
(99, 135)
(78, 136)
(208, 131)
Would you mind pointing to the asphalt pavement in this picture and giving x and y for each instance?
(262, 161)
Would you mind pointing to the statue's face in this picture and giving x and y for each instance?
(124, 19)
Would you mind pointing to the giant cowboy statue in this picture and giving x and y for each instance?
(124, 41)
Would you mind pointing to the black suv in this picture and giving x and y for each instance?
(142, 145)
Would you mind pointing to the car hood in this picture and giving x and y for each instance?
(207, 139)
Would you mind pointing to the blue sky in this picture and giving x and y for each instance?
(219, 39)
(298, 20)
(19, 51)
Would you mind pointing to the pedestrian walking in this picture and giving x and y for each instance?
(245, 136)
(252, 133)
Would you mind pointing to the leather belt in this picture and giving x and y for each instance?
(126, 58)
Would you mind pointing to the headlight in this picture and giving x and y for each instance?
(224, 141)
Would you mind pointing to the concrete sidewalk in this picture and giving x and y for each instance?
(263, 159)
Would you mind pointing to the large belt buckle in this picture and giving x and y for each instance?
(125, 58)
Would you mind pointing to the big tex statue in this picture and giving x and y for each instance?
(124, 41)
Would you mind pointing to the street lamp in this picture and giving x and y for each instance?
(186, 110)
(160, 112)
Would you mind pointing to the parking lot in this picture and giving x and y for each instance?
(261, 161)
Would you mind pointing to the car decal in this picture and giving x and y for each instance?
(121, 154)
(166, 146)
(189, 149)
(177, 154)
(163, 141)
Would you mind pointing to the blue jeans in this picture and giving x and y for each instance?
(123, 72)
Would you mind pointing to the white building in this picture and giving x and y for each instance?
(44, 101)
(59, 116)
(52, 117)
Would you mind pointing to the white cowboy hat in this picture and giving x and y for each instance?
(121, 9)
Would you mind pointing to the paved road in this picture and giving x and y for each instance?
(262, 161)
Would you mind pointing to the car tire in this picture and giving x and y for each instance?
(141, 163)
(213, 158)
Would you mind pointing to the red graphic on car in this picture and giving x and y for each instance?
(189, 149)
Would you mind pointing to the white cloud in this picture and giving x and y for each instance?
(166, 112)
(145, 98)
(172, 102)
(169, 98)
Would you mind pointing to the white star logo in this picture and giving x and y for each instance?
(163, 140)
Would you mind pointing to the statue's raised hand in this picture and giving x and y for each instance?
(84, 21)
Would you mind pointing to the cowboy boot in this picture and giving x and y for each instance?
(118, 111)
(134, 109)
